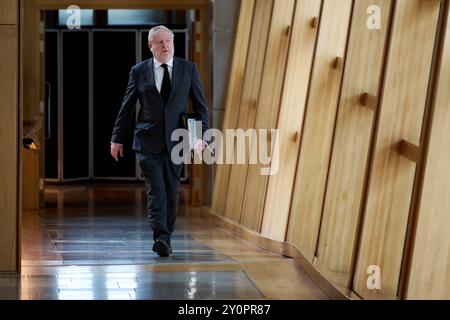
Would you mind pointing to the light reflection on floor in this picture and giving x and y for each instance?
(127, 283)
(91, 245)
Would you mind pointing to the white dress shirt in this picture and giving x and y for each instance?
(159, 72)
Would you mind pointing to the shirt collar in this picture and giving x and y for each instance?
(158, 64)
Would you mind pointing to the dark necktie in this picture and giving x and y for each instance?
(166, 85)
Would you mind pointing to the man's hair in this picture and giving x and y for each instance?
(156, 30)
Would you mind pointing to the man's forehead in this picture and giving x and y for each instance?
(162, 36)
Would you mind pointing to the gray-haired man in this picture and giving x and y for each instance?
(163, 85)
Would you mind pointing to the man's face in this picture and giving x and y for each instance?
(162, 47)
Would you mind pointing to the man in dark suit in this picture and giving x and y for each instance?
(163, 86)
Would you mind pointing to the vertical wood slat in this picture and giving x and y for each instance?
(401, 116)
(9, 157)
(234, 93)
(430, 265)
(290, 120)
(8, 12)
(268, 107)
(352, 139)
(250, 94)
(318, 129)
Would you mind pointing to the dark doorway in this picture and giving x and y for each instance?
(86, 77)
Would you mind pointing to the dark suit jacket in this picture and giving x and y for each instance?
(157, 120)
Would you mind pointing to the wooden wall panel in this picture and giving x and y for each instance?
(9, 157)
(318, 130)
(33, 88)
(234, 94)
(30, 179)
(8, 11)
(31, 62)
(352, 139)
(250, 93)
(290, 119)
(401, 117)
(430, 267)
(267, 109)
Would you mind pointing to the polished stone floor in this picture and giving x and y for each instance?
(94, 243)
(111, 240)
(127, 283)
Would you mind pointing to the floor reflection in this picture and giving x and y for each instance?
(127, 283)
(95, 243)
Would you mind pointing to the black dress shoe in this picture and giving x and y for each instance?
(170, 247)
(162, 248)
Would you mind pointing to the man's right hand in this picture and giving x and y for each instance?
(116, 150)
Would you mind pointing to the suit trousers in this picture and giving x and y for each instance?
(162, 183)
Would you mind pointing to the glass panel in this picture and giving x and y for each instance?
(134, 17)
(75, 99)
(111, 73)
(86, 16)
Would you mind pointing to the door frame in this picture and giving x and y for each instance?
(33, 13)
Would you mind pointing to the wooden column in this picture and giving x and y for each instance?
(33, 93)
(9, 136)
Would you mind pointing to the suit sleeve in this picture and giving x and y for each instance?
(197, 96)
(126, 111)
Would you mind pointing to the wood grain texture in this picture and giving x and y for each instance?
(410, 151)
(267, 114)
(30, 179)
(352, 140)
(250, 94)
(9, 157)
(318, 129)
(8, 11)
(234, 95)
(33, 85)
(430, 267)
(401, 117)
(290, 119)
(31, 61)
